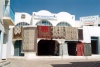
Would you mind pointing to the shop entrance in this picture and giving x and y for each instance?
(72, 48)
(48, 48)
(17, 48)
(94, 45)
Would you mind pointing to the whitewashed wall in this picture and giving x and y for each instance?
(59, 17)
(3, 30)
(90, 31)
(18, 18)
(10, 46)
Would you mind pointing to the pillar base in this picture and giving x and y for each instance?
(30, 55)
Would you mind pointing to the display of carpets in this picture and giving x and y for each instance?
(80, 49)
(29, 39)
(87, 49)
(44, 32)
(71, 33)
(58, 32)
(80, 34)
(17, 33)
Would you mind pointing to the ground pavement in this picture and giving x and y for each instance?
(54, 62)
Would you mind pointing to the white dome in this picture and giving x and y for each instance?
(43, 12)
(64, 13)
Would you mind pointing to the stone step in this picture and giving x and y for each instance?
(5, 64)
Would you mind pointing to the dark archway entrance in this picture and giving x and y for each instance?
(48, 48)
(75, 48)
(17, 48)
(72, 47)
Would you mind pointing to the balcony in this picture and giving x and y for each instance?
(8, 15)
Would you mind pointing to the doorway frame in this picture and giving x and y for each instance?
(94, 38)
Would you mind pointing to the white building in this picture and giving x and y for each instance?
(91, 32)
(6, 19)
(53, 18)
(88, 25)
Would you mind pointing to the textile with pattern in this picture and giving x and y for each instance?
(17, 33)
(80, 34)
(29, 39)
(44, 32)
(71, 33)
(58, 32)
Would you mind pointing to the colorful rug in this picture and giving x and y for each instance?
(80, 49)
(44, 32)
(71, 33)
(17, 33)
(58, 32)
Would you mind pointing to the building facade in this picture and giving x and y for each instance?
(6, 19)
(54, 34)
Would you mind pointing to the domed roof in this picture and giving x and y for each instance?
(64, 13)
(43, 12)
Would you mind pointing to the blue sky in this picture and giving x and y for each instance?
(78, 8)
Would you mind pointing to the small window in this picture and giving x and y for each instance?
(23, 16)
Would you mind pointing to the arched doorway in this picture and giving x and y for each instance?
(18, 48)
(75, 48)
(72, 47)
(18, 42)
(48, 48)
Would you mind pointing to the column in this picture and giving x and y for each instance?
(65, 49)
(1, 43)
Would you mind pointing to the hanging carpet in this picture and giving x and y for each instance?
(29, 39)
(17, 33)
(80, 49)
(71, 33)
(44, 32)
(87, 49)
(80, 34)
(58, 32)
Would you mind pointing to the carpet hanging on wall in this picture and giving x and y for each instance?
(71, 33)
(87, 49)
(17, 33)
(80, 49)
(58, 32)
(29, 39)
(44, 32)
(80, 34)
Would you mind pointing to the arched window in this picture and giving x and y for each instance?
(43, 23)
(22, 24)
(63, 24)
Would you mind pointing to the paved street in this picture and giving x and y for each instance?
(54, 63)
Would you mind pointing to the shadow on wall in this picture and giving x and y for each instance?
(79, 64)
